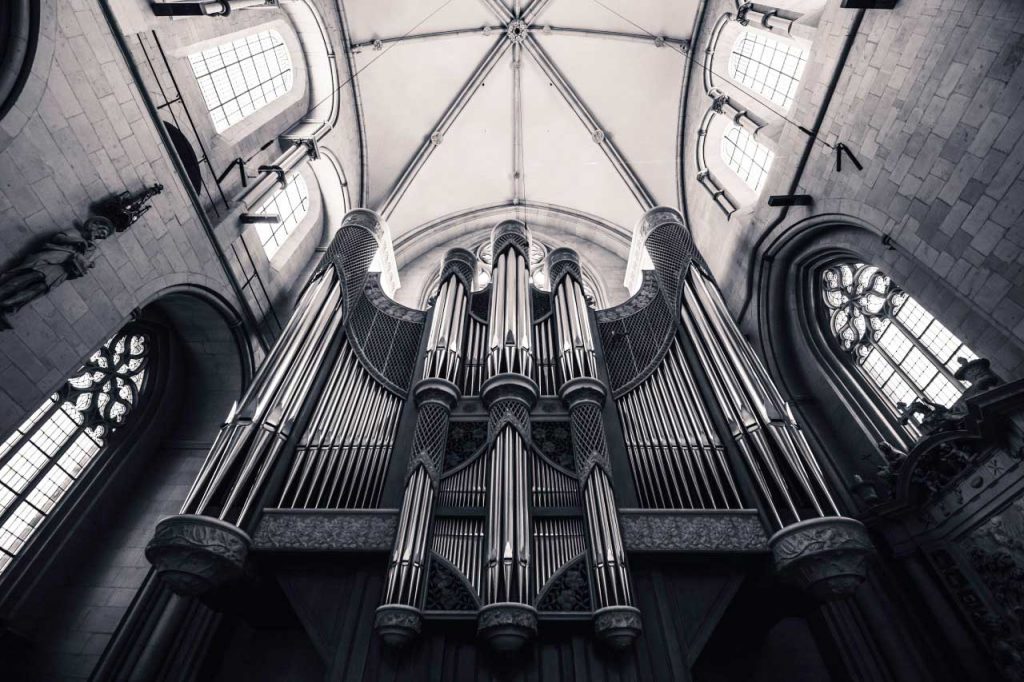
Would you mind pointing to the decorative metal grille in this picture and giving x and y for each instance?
(748, 158)
(464, 440)
(47, 454)
(898, 345)
(635, 342)
(243, 76)
(290, 203)
(767, 66)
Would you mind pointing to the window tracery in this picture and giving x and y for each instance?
(746, 156)
(767, 66)
(47, 454)
(290, 204)
(899, 346)
(242, 76)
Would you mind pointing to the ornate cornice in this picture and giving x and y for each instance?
(384, 303)
(647, 292)
(692, 532)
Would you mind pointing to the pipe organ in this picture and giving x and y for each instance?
(505, 467)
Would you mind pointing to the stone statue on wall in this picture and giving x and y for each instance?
(894, 460)
(64, 256)
(124, 209)
(935, 418)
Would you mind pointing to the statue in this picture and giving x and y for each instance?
(979, 374)
(894, 460)
(125, 209)
(65, 255)
(935, 418)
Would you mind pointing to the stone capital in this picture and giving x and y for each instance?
(438, 391)
(582, 390)
(510, 386)
(827, 556)
(195, 555)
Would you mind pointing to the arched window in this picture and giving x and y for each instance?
(898, 345)
(48, 453)
(242, 76)
(290, 204)
(767, 66)
(744, 155)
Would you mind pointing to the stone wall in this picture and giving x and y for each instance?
(930, 103)
(89, 137)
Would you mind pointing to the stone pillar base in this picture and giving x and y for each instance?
(398, 624)
(617, 626)
(195, 555)
(827, 557)
(507, 626)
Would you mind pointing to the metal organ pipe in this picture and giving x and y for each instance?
(813, 545)
(616, 619)
(507, 618)
(220, 508)
(398, 619)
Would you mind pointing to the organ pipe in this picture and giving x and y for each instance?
(616, 619)
(507, 619)
(813, 544)
(221, 506)
(398, 619)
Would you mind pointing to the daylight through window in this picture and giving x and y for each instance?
(242, 76)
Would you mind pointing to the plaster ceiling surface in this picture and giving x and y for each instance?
(581, 114)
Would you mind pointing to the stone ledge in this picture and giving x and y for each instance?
(643, 530)
(648, 530)
(287, 530)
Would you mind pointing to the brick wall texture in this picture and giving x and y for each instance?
(930, 102)
(88, 138)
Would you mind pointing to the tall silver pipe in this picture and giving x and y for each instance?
(616, 619)
(507, 619)
(398, 619)
(223, 505)
(813, 545)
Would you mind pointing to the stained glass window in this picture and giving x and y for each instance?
(768, 66)
(48, 453)
(290, 204)
(242, 76)
(749, 159)
(898, 345)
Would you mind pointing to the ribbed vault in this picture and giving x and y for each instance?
(566, 110)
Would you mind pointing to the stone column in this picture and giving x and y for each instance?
(508, 620)
(398, 619)
(207, 544)
(616, 619)
(721, 103)
(813, 546)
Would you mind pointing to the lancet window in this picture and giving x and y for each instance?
(772, 68)
(746, 156)
(242, 76)
(898, 345)
(48, 454)
(290, 204)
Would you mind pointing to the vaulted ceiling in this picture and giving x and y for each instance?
(567, 107)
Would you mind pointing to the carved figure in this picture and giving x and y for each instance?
(980, 375)
(894, 459)
(935, 418)
(124, 209)
(65, 255)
